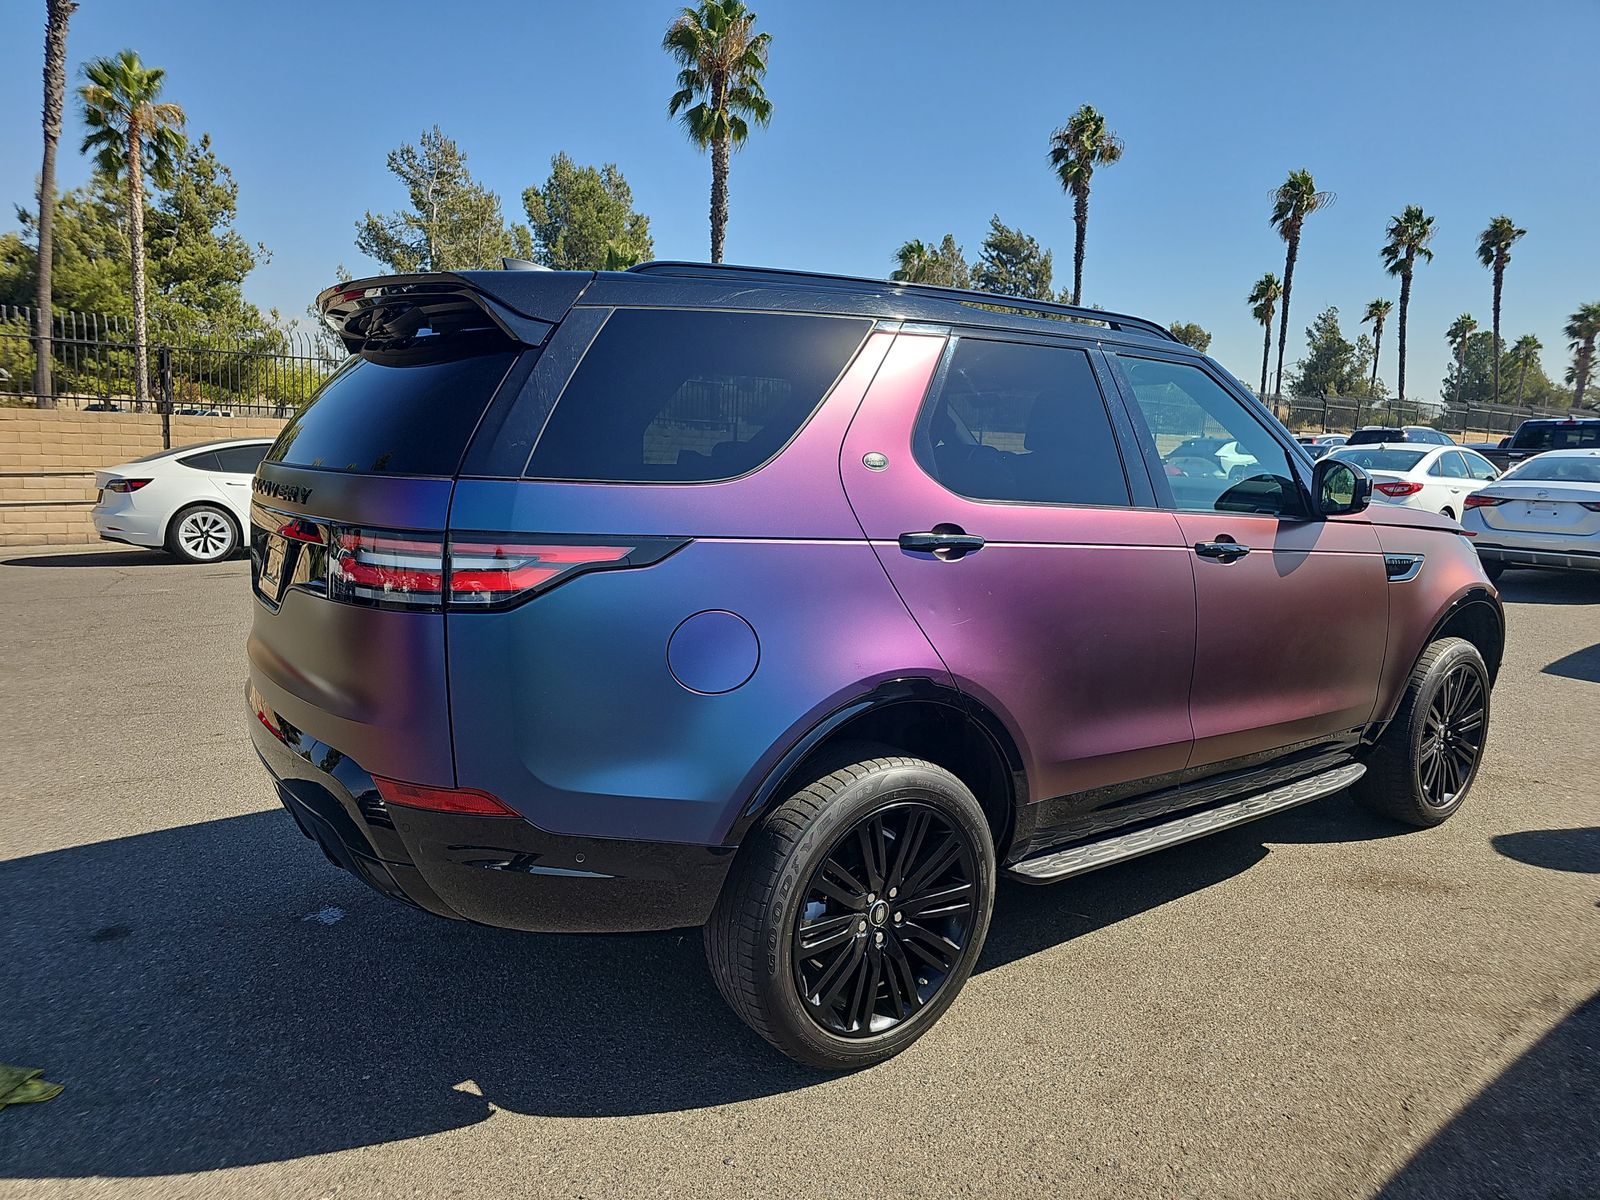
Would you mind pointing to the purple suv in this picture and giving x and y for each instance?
(802, 608)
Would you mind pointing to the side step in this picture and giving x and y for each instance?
(1089, 856)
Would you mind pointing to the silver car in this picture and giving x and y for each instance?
(1544, 512)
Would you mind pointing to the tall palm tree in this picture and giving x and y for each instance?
(1459, 335)
(1494, 252)
(1263, 300)
(719, 89)
(1076, 149)
(132, 133)
(1522, 355)
(913, 261)
(1583, 327)
(1295, 199)
(57, 14)
(1409, 235)
(1377, 313)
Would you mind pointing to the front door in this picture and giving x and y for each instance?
(1038, 566)
(1291, 612)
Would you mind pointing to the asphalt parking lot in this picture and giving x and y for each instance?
(1313, 1005)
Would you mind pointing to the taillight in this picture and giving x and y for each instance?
(1399, 488)
(1591, 505)
(436, 799)
(487, 571)
(1476, 501)
(398, 570)
(126, 485)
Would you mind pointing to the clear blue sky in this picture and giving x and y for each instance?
(899, 120)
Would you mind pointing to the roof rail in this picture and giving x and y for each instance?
(856, 283)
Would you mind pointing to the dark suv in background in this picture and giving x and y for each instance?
(802, 607)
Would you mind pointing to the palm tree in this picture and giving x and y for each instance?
(1494, 252)
(1076, 149)
(723, 61)
(1377, 313)
(57, 14)
(1263, 300)
(1295, 199)
(1582, 327)
(1523, 355)
(914, 260)
(1409, 235)
(1459, 335)
(132, 132)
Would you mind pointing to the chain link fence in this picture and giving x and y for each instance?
(1465, 422)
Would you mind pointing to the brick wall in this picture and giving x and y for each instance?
(48, 459)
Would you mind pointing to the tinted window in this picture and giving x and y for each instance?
(1421, 433)
(1216, 455)
(1381, 460)
(1021, 423)
(241, 460)
(394, 414)
(686, 397)
(206, 460)
(1363, 437)
(1576, 437)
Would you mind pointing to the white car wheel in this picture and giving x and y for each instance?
(203, 534)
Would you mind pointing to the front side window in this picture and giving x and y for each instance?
(669, 396)
(1021, 423)
(1450, 465)
(1215, 455)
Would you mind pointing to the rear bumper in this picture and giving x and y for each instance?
(500, 871)
(1537, 556)
(128, 526)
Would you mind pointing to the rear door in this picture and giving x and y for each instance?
(1292, 613)
(1039, 568)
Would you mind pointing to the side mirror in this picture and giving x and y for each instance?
(1339, 487)
(1505, 441)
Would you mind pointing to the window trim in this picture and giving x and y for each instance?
(870, 327)
(922, 443)
(1295, 455)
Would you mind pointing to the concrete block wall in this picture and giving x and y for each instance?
(48, 458)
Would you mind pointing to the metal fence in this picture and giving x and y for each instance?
(266, 373)
(1465, 421)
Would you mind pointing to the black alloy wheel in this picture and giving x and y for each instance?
(1453, 735)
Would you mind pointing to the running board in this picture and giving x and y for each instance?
(1076, 860)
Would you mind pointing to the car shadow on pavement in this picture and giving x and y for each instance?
(1550, 587)
(217, 995)
(1532, 1132)
(1582, 665)
(96, 558)
(1576, 850)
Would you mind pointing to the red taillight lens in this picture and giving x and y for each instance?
(1482, 501)
(435, 799)
(1399, 488)
(126, 485)
(1591, 505)
(485, 571)
(399, 570)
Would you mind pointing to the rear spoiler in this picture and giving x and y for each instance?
(387, 310)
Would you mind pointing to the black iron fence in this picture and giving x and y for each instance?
(1464, 421)
(201, 371)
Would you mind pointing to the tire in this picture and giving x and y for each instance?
(203, 533)
(1493, 570)
(893, 963)
(1414, 777)
(1447, 512)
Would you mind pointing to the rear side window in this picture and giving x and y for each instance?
(240, 460)
(402, 414)
(664, 396)
(1022, 423)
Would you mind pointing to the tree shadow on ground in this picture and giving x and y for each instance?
(1576, 850)
(1550, 587)
(97, 558)
(217, 995)
(1580, 664)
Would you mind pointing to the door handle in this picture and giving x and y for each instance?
(1225, 549)
(946, 541)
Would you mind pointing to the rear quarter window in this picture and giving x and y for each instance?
(404, 414)
(666, 396)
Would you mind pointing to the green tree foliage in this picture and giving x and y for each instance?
(1191, 334)
(583, 219)
(1263, 301)
(1293, 200)
(198, 260)
(1333, 366)
(1076, 149)
(1581, 329)
(944, 265)
(1376, 315)
(1494, 252)
(1013, 264)
(453, 222)
(1469, 379)
(1459, 333)
(132, 133)
(723, 63)
(1409, 235)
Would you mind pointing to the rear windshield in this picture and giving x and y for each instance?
(1368, 436)
(1380, 460)
(665, 396)
(394, 414)
(1557, 468)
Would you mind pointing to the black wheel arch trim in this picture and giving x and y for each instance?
(775, 785)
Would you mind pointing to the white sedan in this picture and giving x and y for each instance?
(1544, 512)
(194, 500)
(1435, 478)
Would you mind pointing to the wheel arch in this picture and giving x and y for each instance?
(917, 717)
(1475, 616)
